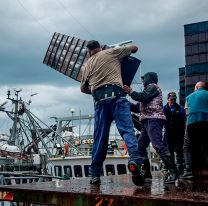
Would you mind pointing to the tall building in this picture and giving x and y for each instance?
(196, 58)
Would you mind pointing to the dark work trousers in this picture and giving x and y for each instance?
(152, 130)
(175, 142)
(198, 137)
(106, 111)
(186, 144)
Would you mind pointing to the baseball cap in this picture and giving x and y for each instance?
(172, 95)
(93, 44)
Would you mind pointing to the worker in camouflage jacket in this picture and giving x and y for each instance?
(153, 121)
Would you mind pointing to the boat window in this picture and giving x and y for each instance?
(121, 169)
(77, 171)
(58, 171)
(50, 170)
(68, 171)
(110, 170)
(87, 170)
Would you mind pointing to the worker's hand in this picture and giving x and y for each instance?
(127, 89)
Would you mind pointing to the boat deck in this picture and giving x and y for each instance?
(113, 191)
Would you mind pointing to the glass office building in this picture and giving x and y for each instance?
(196, 58)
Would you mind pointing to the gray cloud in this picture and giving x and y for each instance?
(156, 26)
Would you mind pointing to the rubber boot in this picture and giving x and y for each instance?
(95, 180)
(180, 163)
(171, 166)
(137, 176)
(188, 167)
(146, 170)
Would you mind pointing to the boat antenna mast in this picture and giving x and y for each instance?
(16, 102)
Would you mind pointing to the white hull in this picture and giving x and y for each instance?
(77, 167)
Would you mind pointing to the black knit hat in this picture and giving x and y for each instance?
(93, 45)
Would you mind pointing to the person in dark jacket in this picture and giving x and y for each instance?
(153, 121)
(175, 129)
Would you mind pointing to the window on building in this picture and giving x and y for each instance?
(77, 171)
(68, 170)
(58, 171)
(188, 70)
(202, 58)
(87, 170)
(121, 169)
(50, 170)
(110, 170)
(195, 38)
(202, 48)
(195, 59)
(195, 49)
(188, 50)
(182, 84)
(188, 60)
(202, 37)
(195, 69)
(188, 39)
(189, 90)
(203, 68)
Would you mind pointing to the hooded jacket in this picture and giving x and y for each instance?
(151, 104)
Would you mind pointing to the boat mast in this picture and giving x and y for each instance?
(13, 136)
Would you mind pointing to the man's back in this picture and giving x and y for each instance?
(104, 67)
(197, 103)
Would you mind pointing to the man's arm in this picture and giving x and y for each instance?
(124, 51)
(85, 87)
(149, 93)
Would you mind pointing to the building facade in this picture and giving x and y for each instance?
(196, 58)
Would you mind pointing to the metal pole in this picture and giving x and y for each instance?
(79, 124)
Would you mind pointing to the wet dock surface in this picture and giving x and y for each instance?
(114, 190)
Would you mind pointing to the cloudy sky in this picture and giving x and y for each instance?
(27, 26)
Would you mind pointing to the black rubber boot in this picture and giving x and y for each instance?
(171, 166)
(137, 177)
(95, 181)
(188, 167)
(180, 163)
(146, 169)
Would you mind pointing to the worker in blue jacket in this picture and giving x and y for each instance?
(175, 129)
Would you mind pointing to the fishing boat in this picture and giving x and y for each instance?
(24, 151)
(35, 151)
(73, 158)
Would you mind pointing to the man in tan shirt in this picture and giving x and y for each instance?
(102, 78)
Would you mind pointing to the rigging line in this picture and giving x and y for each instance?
(64, 7)
(43, 27)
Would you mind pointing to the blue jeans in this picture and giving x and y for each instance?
(152, 131)
(106, 111)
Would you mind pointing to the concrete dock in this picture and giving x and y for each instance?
(113, 191)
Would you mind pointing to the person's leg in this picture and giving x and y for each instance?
(199, 148)
(187, 156)
(155, 127)
(103, 119)
(143, 143)
(154, 131)
(146, 168)
(123, 120)
(179, 153)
